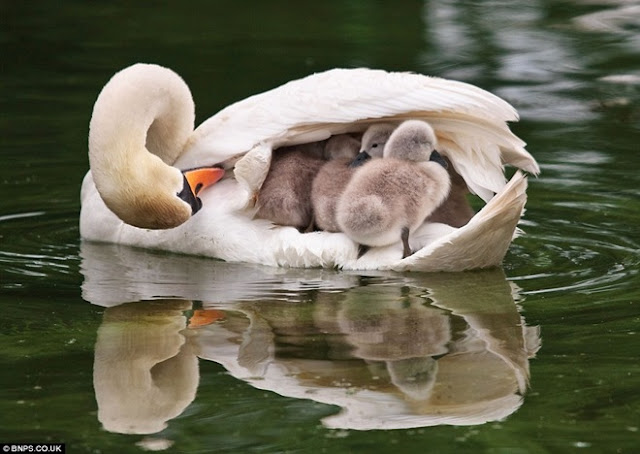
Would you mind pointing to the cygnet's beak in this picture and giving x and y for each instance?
(437, 157)
(195, 180)
(360, 159)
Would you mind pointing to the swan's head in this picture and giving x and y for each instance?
(375, 138)
(140, 124)
(154, 195)
(414, 140)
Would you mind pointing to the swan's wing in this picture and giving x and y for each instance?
(471, 123)
(482, 243)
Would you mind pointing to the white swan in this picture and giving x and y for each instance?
(147, 107)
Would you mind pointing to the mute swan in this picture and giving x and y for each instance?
(471, 125)
(388, 199)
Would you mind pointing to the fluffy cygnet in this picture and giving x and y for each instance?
(342, 152)
(455, 210)
(285, 196)
(331, 180)
(341, 146)
(387, 199)
(375, 138)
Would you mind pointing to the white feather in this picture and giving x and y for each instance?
(471, 121)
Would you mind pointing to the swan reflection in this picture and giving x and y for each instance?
(391, 350)
(145, 369)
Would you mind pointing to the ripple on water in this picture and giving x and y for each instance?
(564, 256)
(37, 245)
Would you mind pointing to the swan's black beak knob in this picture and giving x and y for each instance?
(195, 180)
(188, 196)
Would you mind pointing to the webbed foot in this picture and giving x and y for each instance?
(406, 250)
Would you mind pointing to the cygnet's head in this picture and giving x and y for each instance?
(375, 138)
(341, 146)
(413, 140)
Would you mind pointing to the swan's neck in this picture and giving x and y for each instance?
(140, 123)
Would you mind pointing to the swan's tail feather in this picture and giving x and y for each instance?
(482, 243)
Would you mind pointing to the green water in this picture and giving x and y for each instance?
(294, 355)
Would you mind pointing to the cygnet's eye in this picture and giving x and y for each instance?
(375, 145)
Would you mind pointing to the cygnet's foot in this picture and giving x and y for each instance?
(311, 227)
(406, 250)
(362, 250)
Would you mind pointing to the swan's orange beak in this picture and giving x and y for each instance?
(202, 177)
(203, 317)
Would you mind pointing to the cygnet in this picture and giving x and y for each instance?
(456, 210)
(342, 152)
(285, 196)
(389, 198)
(375, 138)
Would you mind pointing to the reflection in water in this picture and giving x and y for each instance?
(116, 274)
(623, 20)
(441, 350)
(145, 370)
(393, 351)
